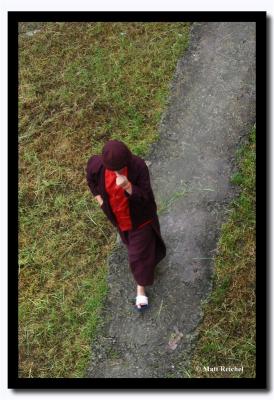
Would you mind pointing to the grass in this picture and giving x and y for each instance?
(80, 84)
(227, 333)
(166, 204)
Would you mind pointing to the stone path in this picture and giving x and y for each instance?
(211, 110)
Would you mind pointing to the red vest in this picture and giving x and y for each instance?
(118, 200)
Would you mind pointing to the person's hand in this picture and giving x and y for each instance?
(122, 181)
(99, 199)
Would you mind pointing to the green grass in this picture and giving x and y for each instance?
(80, 84)
(165, 205)
(227, 333)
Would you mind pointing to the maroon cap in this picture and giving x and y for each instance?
(116, 155)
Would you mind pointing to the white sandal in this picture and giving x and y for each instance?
(141, 301)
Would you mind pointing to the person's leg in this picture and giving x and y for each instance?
(141, 298)
(141, 290)
(141, 253)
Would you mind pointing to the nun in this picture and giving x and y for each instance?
(120, 182)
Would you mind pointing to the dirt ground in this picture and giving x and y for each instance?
(211, 110)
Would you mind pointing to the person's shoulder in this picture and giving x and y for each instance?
(139, 166)
(94, 162)
(95, 157)
(138, 161)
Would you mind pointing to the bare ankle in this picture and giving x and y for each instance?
(141, 290)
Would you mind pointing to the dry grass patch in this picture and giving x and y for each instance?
(80, 84)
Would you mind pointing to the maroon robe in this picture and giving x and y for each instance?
(146, 247)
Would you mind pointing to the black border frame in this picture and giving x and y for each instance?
(260, 382)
